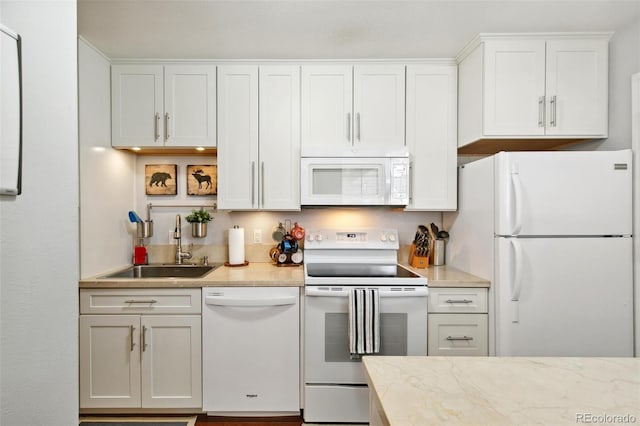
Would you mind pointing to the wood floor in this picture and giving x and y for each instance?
(204, 420)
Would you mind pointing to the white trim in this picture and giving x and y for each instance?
(401, 61)
(635, 145)
(477, 40)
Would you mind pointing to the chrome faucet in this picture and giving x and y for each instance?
(177, 234)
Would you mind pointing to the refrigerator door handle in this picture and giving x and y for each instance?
(517, 195)
(516, 283)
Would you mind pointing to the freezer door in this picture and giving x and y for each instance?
(563, 297)
(563, 193)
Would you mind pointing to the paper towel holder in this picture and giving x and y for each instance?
(245, 263)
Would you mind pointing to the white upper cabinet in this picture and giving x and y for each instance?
(259, 137)
(348, 108)
(532, 91)
(431, 136)
(163, 106)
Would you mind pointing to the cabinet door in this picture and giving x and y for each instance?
(279, 146)
(327, 107)
(379, 106)
(514, 87)
(431, 136)
(190, 105)
(109, 361)
(577, 87)
(238, 137)
(171, 361)
(137, 106)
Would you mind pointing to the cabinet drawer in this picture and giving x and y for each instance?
(458, 300)
(140, 301)
(457, 334)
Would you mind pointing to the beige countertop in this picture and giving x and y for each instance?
(409, 391)
(256, 274)
(266, 274)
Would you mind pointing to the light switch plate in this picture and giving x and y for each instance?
(257, 236)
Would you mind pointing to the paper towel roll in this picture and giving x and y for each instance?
(236, 246)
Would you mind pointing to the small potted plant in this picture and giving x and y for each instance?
(198, 220)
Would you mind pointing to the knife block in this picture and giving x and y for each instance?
(419, 262)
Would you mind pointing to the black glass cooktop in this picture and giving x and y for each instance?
(357, 270)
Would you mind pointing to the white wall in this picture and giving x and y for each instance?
(106, 184)
(39, 229)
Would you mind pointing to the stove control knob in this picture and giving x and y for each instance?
(383, 237)
(309, 237)
(319, 237)
(392, 237)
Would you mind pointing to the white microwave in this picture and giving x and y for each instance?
(354, 181)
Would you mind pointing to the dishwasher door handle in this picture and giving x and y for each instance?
(246, 301)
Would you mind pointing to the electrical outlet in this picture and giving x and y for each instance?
(257, 236)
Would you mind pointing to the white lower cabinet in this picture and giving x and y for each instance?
(458, 322)
(135, 355)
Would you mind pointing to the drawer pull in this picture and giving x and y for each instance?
(450, 338)
(458, 301)
(150, 302)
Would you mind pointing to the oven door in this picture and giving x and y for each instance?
(403, 330)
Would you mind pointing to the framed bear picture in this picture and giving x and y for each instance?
(161, 179)
(202, 180)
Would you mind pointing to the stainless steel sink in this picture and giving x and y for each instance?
(163, 271)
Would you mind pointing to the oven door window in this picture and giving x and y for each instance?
(403, 322)
(393, 336)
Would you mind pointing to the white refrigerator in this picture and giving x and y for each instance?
(552, 232)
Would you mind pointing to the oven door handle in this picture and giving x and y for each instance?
(419, 292)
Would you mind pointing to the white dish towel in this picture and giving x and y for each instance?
(364, 321)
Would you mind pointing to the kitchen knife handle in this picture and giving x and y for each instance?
(541, 111)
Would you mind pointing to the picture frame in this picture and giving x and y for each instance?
(202, 179)
(161, 179)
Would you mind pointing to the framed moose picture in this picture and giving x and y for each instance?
(202, 180)
(161, 179)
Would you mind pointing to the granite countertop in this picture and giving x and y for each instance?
(416, 391)
(266, 274)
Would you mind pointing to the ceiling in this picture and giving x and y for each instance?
(334, 29)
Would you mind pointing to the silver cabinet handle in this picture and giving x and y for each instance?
(144, 338)
(132, 344)
(553, 104)
(166, 125)
(156, 127)
(450, 338)
(541, 111)
(150, 301)
(262, 182)
(358, 124)
(411, 182)
(452, 301)
(253, 177)
(349, 126)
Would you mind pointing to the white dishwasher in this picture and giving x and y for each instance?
(251, 350)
